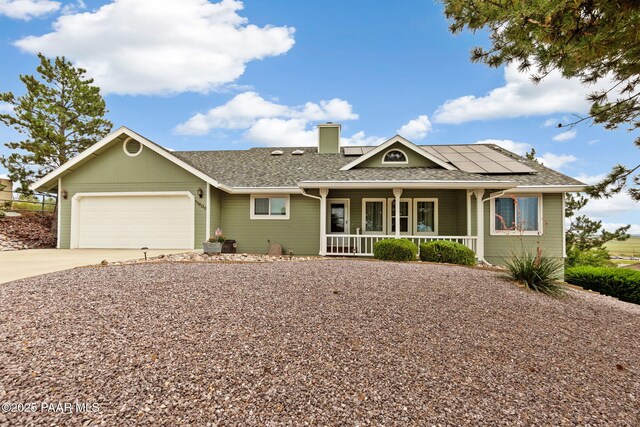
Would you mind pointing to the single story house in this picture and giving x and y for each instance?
(128, 192)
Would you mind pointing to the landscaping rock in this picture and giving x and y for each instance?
(332, 342)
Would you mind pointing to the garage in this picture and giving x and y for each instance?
(157, 220)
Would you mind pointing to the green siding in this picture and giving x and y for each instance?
(414, 159)
(215, 203)
(114, 171)
(329, 139)
(452, 210)
(498, 248)
(300, 233)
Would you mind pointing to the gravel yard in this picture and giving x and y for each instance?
(331, 342)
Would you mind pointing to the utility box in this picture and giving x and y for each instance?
(229, 247)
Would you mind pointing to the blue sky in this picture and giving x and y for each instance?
(192, 74)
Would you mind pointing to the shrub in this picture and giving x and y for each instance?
(597, 257)
(536, 271)
(621, 283)
(395, 250)
(446, 251)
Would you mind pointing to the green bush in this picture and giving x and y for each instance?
(395, 250)
(446, 251)
(621, 283)
(536, 271)
(598, 257)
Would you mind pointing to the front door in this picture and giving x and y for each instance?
(339, 217)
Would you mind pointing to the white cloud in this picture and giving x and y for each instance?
(361, 138)
(609, 226)
(565, 136)
(74, 7)
(416, 129)
(170, 46)
(590, 179)
(556, 161)
(520, 148)
(592, 142)
(553, 121)
(603, 208)
(267, 122)
(27, 9)
(520, 97)
(281, 133)
(5, 108)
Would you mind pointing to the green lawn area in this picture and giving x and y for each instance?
(630, 247)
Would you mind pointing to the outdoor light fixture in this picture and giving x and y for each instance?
(65, 194)
(200, 193)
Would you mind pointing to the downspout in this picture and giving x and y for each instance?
(323, 208)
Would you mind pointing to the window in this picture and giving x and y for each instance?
(425, 216)
(405, 215)
(269, 207)
(395, 156)
(518, 214)
(374, 216)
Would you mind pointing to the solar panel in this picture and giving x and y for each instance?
(478, 159)
(473, 158)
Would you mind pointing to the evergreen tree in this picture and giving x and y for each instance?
(60, 115)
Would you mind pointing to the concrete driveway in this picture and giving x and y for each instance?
(16, 265)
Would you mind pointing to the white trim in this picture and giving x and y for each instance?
(384, 215)
(384, 184)
(108, 139)
(400, 140)
(547, 188)
(406, 158)
(73, 244)
(347, 214)
(564, 233)
(124, 147)
(435, 216)
(252, 214)
(207, 227)
(492, 214)
(261, 190)
(469, 193)
(479, 224)
(390, 200)
(59, 212)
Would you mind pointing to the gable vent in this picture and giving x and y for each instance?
(277, 152)
(132, 147)
(298, 152)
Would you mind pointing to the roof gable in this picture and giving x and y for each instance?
(50, 180)
(403, 143)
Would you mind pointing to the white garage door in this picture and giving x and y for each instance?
(154, 220)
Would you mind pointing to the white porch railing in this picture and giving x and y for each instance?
(362, 244)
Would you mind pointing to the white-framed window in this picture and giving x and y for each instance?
(516, 214)
(270, 206)
(425, 216)
(374, 216)
(395, 156)
(405, 216)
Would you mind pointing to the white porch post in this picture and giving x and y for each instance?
(323, 220)
(469, 193)
(207, 226)
(397, 192)
(480, 224)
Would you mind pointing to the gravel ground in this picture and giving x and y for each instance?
(339, 342)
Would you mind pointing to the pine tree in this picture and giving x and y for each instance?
(60, 115)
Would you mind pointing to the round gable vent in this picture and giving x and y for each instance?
(132, 147)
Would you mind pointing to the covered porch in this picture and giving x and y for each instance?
(354, 219)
